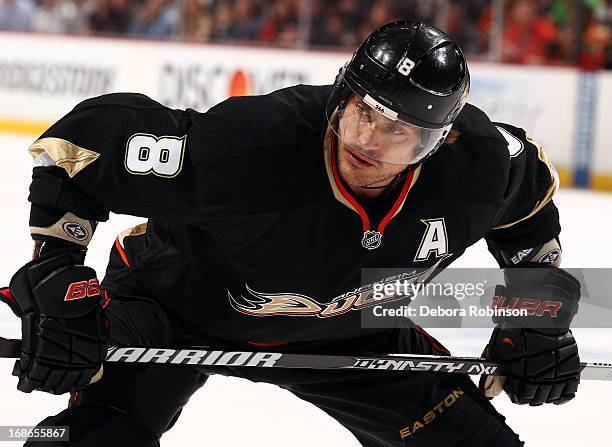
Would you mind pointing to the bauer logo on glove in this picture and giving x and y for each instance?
(82, 289)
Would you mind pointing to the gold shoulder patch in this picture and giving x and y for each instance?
(72, 158)
(137, 230)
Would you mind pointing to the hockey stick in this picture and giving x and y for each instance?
(205, 356)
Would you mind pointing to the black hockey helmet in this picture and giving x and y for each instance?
(412, 74)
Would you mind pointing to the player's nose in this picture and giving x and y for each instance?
(370, 142)
(367, 137)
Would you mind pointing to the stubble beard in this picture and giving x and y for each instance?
(369, 176)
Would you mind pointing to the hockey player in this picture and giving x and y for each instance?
(262, 211)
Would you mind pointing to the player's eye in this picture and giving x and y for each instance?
(396, 129)
(363, 112)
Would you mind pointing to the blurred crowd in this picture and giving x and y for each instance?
(513, 31)
(558, 32)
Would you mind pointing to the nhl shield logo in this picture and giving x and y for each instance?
(371, 240)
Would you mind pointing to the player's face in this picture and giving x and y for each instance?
(377, 136)
(365, 138)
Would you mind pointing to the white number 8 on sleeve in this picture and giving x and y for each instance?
(148, 154)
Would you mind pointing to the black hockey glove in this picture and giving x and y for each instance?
(64, 332)
(537, 353)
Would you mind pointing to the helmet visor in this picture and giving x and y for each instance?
(376, 132)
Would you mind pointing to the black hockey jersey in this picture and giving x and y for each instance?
(251, 234)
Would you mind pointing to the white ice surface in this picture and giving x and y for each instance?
(233, 412)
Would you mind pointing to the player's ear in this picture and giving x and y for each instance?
(452, 136)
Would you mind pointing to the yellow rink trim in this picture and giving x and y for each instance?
(23, 127)
(566, 178)
(602, 182)
(598, 181)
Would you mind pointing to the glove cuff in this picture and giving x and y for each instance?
(48, 223)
